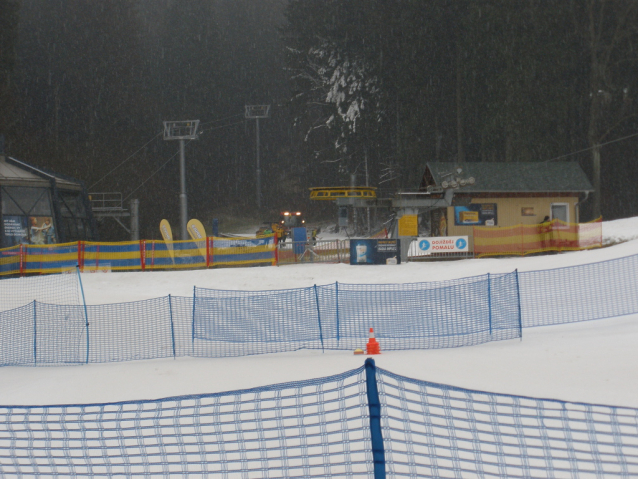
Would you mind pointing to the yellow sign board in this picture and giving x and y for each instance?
(409, 225)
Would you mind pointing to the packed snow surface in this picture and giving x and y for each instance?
(594, 361)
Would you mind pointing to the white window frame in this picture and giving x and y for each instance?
(551, 210)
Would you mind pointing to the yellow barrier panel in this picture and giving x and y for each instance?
(48, 259)
(241, 251)
(120, 256)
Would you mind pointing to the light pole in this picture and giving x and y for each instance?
(182, 130)
(256, 112)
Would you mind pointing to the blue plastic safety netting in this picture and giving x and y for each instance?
(53, 289)
(324, 428)
(433, 430)
(339, 316)
(314, 428)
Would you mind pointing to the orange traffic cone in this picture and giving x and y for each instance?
(373, 346)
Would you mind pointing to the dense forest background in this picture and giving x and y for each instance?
(374, 88)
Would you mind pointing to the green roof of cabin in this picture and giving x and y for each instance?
(522, 177)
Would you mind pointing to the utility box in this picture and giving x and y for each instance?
(299, 239)
(343, 216)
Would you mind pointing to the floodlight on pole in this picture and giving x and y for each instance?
(182, 130)
(256, 112)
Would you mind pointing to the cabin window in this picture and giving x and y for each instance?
(560, 211)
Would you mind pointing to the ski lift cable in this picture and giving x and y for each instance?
(222, 119)
(152, 175)
(168, 161)
(130, 156)
(592, 147)
(158, 134)
(221, 126)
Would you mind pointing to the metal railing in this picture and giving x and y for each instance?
(106, 201)
(338, 251)
(293, 252)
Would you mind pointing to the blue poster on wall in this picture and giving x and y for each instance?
(375, 251)
(483, 214)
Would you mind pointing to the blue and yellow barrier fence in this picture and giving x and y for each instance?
(137, 255)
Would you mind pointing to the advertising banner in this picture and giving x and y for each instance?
(447, 244)
(167, 234)
(196, 229)
(41, 230)
(481, 214)
(375, 251)
(244, 243)
(15, 230)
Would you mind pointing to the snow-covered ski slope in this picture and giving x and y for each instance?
(594, 362)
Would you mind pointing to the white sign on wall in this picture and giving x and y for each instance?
(443, 244)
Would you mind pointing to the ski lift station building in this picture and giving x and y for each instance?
(40, 207)
(507, 194)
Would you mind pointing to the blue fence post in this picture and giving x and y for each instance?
(374, 406)
(319, 318)
(35, 336)
(518, 296)
(337, 306)
(86, 314)
(193, 321)
(170, 312)
(489, 300)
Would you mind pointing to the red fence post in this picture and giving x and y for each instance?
(22, 259)
(81, 256)
(143, 254)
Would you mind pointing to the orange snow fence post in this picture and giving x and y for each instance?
(373, 346)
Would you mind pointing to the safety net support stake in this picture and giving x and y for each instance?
(374, 407)
(86, 313)
(337, 307)
(35, 334)
(319, 318)
(520, 314)
(489, 301)
(170, 312)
